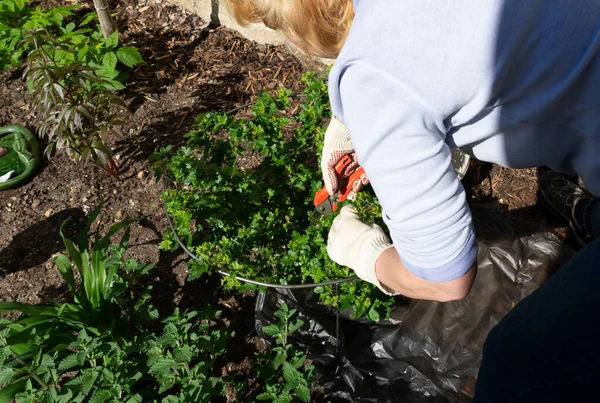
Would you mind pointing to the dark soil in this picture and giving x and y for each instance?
(190, 68)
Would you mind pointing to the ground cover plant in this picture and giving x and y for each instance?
(109, 345)
(241, 198)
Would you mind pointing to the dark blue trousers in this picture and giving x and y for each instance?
(547, 349)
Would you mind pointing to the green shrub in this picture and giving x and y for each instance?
(71, 71)
(241, 198)
(99, 347)
(75, 108)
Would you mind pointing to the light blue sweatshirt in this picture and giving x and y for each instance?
(514, 82)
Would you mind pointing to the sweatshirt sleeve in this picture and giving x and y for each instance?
(400, 142)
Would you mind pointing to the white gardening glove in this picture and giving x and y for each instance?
(337, 144)
(357, 245)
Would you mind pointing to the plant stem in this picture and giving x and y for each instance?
(107, 24)
(285, 334)
(20, 361)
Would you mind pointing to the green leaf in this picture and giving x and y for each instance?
(290, 374)
(283, 399)
(99, 275)
(279, 359)
(298, 361)
(162, 366)
(303, 393)
(102, 243)
(6, 375)
(183, 354)
(89, 378)
(170, 335)
(166, 385)
(107, 376)
(112, 41)
(271, 330)
(109, 61)
(8, 393)
(373, 315)
(88, 280)
(129, 56)
(295, 326)
(89, 17)
(100, 396)
(73, 251)
(137, 398)
(83, 237)
(69, 362)
(197, 269)
(66, 270)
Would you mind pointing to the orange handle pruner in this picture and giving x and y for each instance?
(326, 203)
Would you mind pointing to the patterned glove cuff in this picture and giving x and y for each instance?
(369, 254)
(338, 136)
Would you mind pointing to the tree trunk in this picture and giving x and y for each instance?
(107, 24)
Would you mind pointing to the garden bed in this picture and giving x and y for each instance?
(190, 68)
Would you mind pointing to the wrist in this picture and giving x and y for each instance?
(370, 253)
(337, 136)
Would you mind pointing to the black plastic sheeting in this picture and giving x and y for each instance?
(427, 351)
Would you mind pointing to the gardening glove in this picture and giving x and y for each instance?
(357, 245)
(337, 144)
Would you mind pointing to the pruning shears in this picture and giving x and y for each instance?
(326, 203)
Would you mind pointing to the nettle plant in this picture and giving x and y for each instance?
(284, 370)
(241, 194)
(101, 346)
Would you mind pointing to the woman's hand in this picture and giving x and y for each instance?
(354, 244)
(367, 250)
(337, 144)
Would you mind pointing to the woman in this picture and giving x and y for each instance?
(511, 82)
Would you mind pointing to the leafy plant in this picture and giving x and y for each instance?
(284, 362)
(74, 105)
(176, 364)
(241, 198)
(17, 17)
(184, 358)
(78, 44)
(87, 45)
(100, 347)
(71, 70)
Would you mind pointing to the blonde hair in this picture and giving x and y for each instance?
(318, 27)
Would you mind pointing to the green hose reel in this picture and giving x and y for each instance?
(19, 156)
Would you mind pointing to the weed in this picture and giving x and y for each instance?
(242, 194)
(284, 362)
(99, 347)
